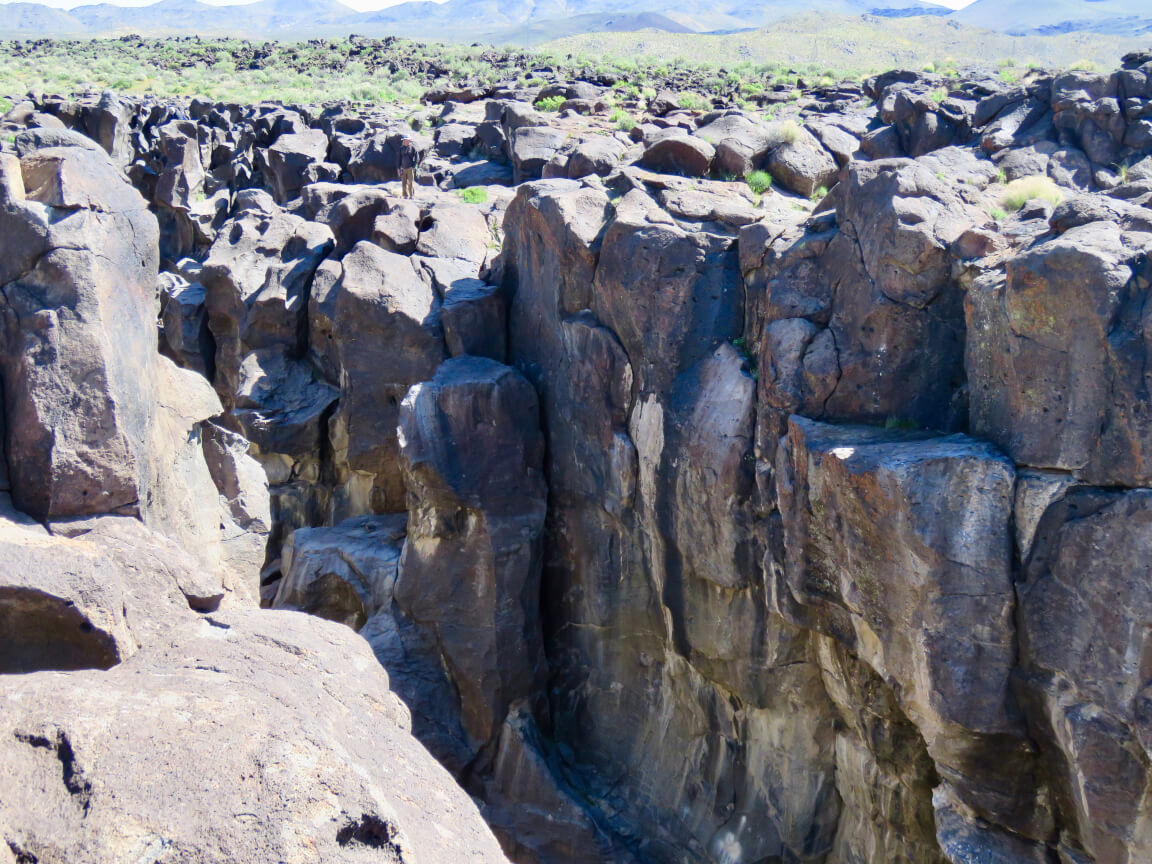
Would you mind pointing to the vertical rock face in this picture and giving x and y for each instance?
(472, 456)
(79, 339)
(897, 545)
(1059, 352)
(388, 337)
(670, 685)
(1085, 601)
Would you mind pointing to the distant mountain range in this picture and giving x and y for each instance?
(527, 21)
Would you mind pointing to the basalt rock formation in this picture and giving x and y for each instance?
(689, 524)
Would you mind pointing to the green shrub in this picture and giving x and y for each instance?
(758, 181)
(550, 103)
(939, 95)
(624, 121)
(998, 215)
(819, 195)
(1026, 189)
(473, 195)
(691, 101)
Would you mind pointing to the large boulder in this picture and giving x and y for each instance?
(802, 165)
(256, 281)
(79, 340)
(289, 157)
(863, 322)
(681, 154)
(386, 324)
(1056, 355)
(472, 455)
(310, 755)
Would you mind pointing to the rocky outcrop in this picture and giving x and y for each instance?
(318, 760)
(132, 652)
(806, 522)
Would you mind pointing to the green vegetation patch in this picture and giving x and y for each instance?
(473, 195)
(550, 103)
(758, 181)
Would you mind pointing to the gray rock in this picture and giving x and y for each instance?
(77, 363)
(284, 690)
(679, 154)
(472, 455)
(389, 337)
(1056, 358)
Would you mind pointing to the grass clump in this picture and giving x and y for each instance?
(1024, 189)
(784, 132)
(624, 121)
(550, 103)
(758, 181)
(691, 101)
(473, 195)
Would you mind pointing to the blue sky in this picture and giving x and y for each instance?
(362, 5)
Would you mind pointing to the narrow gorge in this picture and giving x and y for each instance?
(640, 515)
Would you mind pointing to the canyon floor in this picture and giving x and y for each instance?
(735, 474)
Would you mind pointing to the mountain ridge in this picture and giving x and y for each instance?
(470, 20)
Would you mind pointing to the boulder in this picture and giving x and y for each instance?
(474, 316)
(598, 154)
(282, 689)
(864, 322)
(457, 231)
(346, 573)
(531, 147)
(185, 337)
(389, 337)
(1055, 362)
(679, 154)
(289, 156)
(803, 166)
(472, 456)
(79, 333)
(256, 280)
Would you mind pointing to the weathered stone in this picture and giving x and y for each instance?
(1083, 602)
(803, 166)
(472, 455)
(80, 344)
(185, 337)
(306, 697)
(346, 573)
(455, 231)
(679, 154)
(922, 595)
(474, 315)
(531, 147)
(256, 279)
(882, 332)
(1055, 358)
(389, 337)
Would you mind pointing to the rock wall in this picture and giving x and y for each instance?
(152, 711)
(690, 524)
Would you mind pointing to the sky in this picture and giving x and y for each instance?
(359, 5)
